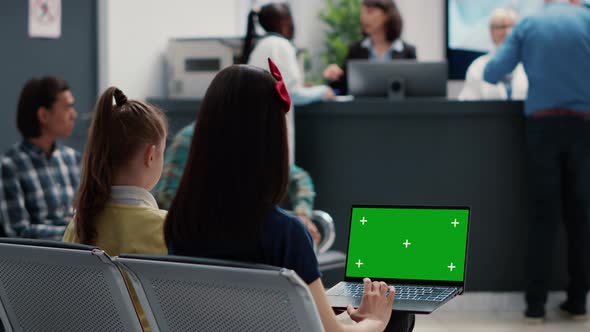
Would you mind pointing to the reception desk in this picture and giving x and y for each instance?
(421, 152)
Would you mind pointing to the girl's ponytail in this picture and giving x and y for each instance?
(96, 172)
(250, 34)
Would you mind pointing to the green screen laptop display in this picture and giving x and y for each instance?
(408, 243)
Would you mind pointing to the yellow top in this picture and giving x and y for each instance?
(127, 229)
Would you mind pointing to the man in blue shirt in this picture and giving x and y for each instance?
(554, 47)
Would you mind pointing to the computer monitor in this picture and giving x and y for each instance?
(397, 79)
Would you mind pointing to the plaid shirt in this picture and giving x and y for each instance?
(301, 191)
(36, 190)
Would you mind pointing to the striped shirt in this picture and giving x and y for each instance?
(36, 190)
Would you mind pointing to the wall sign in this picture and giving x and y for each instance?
(44, 18)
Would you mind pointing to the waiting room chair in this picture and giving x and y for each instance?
(190, 294)
(2, 232)
(3, 220)
(54, 286)
(327, 259)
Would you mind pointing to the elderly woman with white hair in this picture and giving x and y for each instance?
(515, 86)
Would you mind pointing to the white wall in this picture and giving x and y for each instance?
(425, 27)
(133, 35)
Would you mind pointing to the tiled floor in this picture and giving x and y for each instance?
(494, 312)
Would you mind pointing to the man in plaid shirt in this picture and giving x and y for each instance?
(38, 175)
(301, 191)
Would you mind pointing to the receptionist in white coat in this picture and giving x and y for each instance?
(514, 87)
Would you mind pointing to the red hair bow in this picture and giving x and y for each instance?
(280, 86)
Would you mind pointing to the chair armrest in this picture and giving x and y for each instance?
(47, 244)
(325, 223)
(200, 261)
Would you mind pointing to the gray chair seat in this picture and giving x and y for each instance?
(54, 286)
(189, 294)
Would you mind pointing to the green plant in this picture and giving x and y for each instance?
(342, 18)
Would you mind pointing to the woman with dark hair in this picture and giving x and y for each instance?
(236, 174)
(382, 26)
(277, 21)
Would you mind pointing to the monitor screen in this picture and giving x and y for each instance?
(469, 31)
(397, 79)
(412, 243)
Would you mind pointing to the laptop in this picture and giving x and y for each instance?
(422, 251)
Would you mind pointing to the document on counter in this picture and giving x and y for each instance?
(344, 98)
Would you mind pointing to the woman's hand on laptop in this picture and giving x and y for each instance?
(376, 304)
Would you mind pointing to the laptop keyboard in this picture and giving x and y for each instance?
(402, 292)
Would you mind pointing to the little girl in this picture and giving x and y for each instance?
(122, 162)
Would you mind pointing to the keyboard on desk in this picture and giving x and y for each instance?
(402, 292)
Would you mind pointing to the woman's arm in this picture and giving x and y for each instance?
(473, 81)
(337, 75)
(307, 95)
(283, 53)
(372, 315)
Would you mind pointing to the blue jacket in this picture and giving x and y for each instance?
(554, 47)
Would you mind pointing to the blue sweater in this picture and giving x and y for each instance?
(554, 47)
